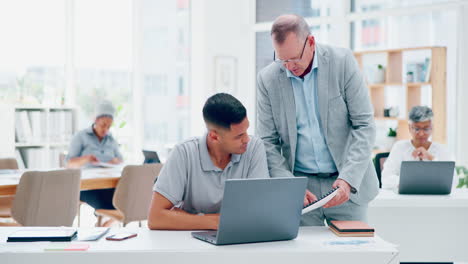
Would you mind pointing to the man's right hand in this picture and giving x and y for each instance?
(309, 198)
(214, 220)
(91, 158)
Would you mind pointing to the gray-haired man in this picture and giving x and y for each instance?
(316, 119)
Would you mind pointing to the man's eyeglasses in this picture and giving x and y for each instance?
(426, 130)
(279, 61)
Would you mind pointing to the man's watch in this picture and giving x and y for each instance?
(353, 190)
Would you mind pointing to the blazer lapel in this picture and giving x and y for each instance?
(322, 87)
(290, 107)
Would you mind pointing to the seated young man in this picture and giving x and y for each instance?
(189, 190)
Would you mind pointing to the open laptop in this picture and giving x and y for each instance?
(426, 177)
(151, 156)
(258, 210)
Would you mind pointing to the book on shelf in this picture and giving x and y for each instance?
(351, 229)
(19, 159)
(23, 129)
(421, 71)
(37, 125)
(427, 68)
(35, 158)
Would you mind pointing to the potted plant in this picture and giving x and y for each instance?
(462, 173)
(379, 76)
(390, 139)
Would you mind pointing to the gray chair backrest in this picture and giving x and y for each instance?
(8, 164)
(47, 198)
(134, 191)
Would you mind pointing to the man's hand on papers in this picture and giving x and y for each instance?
(90, 158)
(309, 198)
(343, 193)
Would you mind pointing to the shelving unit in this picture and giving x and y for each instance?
(36, 135)
(395, 62)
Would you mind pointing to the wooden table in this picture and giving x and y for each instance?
(91, 179)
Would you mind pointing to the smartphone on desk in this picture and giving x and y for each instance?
(121, 236)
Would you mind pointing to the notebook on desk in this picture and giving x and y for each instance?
(45, 234)
(351, 229)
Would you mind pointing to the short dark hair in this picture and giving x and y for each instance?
(223, 109)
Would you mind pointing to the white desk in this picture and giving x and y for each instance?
(311, 246)
(427, 228)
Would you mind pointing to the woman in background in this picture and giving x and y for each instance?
(418, 148)
(95, 144)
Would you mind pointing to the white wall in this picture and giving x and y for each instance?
(462, 89)
(7, 133)
(221, 28)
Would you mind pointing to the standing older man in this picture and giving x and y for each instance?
(316, 119)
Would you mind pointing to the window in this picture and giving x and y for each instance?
(268, 10)
(32, 52)
(165, 68)
(103, 63)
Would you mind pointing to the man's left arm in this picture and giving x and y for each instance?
(361, 117)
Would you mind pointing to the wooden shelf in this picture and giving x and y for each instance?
(412, 84)
(360, 53)
(394, 61)
(417, 84)
(386, 118)
(377, 151)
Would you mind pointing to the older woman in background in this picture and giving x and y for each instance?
(92, 145)
(419, 147)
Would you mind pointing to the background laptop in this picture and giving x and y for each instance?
(258, 210)
(426, 177)
(150, 156)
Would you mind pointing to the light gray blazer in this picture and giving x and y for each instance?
(346, 115)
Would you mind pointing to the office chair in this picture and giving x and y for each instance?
(47, 198)
(132, 196)
(379, 161)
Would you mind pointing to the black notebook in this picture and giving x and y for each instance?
(46, 234)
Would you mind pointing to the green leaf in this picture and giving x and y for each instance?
(122, 124)
(461, 183)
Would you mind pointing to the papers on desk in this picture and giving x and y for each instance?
(66, 247)
(106, 165)
(92, 234)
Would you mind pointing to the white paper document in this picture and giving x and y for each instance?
(320, 202)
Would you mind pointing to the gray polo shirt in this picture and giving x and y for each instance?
(191, 181)
(86, 142)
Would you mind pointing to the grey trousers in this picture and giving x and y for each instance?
(346, 211)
